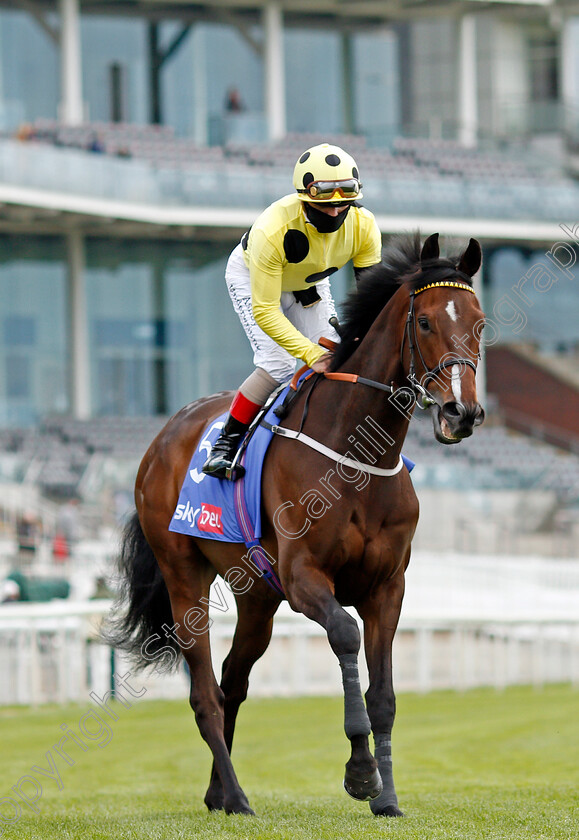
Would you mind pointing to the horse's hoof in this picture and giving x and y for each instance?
(387, 811)
(239, 806)
(363, 789)
(241, 809)
(214, 800)
(214, 804)
(214, 797)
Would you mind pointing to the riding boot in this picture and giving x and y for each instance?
(224, 449)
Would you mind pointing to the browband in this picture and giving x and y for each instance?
(445, 283)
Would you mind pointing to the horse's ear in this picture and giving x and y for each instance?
(471, 260)
(430, 249)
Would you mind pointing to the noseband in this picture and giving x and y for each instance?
(423, 398)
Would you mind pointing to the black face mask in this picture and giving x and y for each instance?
(322, 222)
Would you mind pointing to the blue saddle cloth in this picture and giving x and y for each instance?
(225, 510)
(207, 506)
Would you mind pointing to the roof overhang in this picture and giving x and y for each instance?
(311, 13)
(31, 211)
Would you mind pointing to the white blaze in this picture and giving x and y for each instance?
(450, 308)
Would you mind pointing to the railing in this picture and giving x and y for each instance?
(70, 172)
(49, 654)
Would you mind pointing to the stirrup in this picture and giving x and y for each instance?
(236, 470)
(230, 473)
(231, 470)
(226, 472)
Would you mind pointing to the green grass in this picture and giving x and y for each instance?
(475, 765)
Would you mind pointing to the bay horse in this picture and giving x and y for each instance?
(337, 538)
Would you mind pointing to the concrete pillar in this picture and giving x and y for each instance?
(570, 64)
(3, 115)
(160, 383)
(200, 116)
(510, 78)
(467, 82)
(348, 84)
(80, 378)
(71, 105)
(274, 70)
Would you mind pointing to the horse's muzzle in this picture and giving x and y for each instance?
(454, 421)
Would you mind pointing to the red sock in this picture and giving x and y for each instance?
(243, 409)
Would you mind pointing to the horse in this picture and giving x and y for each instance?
(338, 537)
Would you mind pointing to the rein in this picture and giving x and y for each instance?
(424, 398)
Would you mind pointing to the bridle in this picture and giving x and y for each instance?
(424, 399)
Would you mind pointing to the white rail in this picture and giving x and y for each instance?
(49, 653)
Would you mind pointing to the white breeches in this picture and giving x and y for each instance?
(312, 321)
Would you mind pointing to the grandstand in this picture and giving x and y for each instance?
(415, 157)
(415, 176)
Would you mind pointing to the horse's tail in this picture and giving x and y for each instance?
(143, 605)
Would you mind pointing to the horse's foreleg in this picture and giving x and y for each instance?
(188, 582)
(312, 595)
(251, 639)
(380, 614)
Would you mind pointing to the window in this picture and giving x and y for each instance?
(544, 67)
(17, 376)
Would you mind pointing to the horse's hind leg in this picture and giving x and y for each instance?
(188, 580)
(311, 594)
(251, 639)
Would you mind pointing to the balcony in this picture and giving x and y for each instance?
(149, 177)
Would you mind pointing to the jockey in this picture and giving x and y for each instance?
(277, 279)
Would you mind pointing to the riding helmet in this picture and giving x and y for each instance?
(325, 163)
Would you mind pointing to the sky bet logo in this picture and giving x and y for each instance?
(210, 519)
(206, 518)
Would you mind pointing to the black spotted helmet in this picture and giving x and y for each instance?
(327, 173)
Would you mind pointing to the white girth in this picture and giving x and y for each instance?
(335, 456)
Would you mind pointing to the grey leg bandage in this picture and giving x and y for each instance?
(356, 721)
(383, 754)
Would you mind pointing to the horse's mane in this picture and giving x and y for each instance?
(400, 265)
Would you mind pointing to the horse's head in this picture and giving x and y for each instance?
(442, 340)
(435, 347)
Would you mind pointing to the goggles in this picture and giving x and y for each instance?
(325, 190)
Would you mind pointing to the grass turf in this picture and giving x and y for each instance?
(475, 765)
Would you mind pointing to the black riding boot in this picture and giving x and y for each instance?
(224, 450)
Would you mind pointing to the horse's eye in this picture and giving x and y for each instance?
(423, 324)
